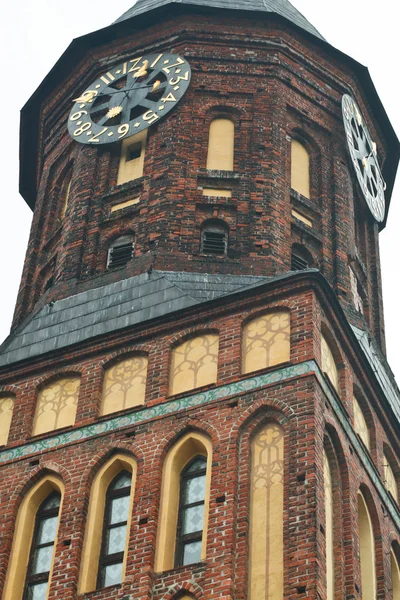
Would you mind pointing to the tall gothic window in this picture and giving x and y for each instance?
(65, 192)
(191, 512)
(115, 530)
(328, 364)
(367, 551)
(42, 549)
(360, 424)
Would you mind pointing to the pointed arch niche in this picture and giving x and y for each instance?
(328, 362)
(266, 514)
(23, 534)
(96, 516)
(367, 550)
(181, 454)
(329, 556)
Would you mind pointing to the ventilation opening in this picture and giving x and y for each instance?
(134, 151)
(301, 258)
(120, 253)
(298, 263)
(214, 240)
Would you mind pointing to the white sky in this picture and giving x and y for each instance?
(34, 34)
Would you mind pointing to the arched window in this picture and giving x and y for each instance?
(301, 258)
(56, 405)
(266, 515)
(367, 551)
(108, 525)
(120, 252)
(64, 193)
(35, 540)
(42, 548)
(360, 424)
(328, 364)
(124, 384)
(221, 144)
(185, 500)
(115, 530)
(214, 238)
(394, 564)
(266, 341)
(330, 569)
(194, 363)
(6, 412)
(389, 478)
(300, 169)
(131, 163)
(191, 512)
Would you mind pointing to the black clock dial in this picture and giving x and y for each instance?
(364, 156)
(129, 98)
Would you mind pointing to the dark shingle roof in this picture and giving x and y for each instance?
(280, 7)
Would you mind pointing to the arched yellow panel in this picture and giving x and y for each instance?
(94, 522)
(56, 405)
(390, 480)
(395, 576)
(124, 384)
(367, 551)
(131, 162)
(300, 172)
(221, 145)
(23, 535)
(65, 190)
(328, 364)
(194, 363)
(266, 515)
(360, 424)
(6, 411)
(191, 445)
(330, 570)
(266, 341)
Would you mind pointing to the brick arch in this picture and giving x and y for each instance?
(33, 477)
(121, 354)
(185, 426)
(307, 140)
(14, 390)
(45, 380)
(130, 448)
(180, 589)
(191, 332)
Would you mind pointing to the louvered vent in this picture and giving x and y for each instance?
(120, 253)
(298, 263)
(214, 242)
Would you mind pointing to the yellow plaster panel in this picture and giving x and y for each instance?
(266, 341)
(395, 576)
(266, 515)
(191, 445)
(217, 192)
(360, 424)
(194, 363)
(125, 204)
(23, 534)
(390, 480)
(95, 520)
(124, 385)
(328, 364)
(367, 551)
(56, 405)
(330, 569)
(6, 411)
(300, 176)
(130, 169)
(302, 218)
(65, 190)
(221, 144)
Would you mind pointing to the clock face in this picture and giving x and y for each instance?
(365, 161)
(129, 98)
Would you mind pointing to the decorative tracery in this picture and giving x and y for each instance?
(125, 384)
(56, 406)
(194, 363)
(266, 341)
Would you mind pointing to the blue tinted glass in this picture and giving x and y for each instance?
(192, 520)
(37, 592)
(113, 574)
(119, 510)
(116, 540)
(42, 561)
(47, 530)
(192, 553)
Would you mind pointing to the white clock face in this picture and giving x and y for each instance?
(365, 161)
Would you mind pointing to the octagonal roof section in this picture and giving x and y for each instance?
(280, 7)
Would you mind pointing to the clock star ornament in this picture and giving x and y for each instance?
(364, 157)
(129, 98)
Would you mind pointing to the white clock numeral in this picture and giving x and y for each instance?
(95, 138)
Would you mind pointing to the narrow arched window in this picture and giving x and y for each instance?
(389, 478)
(115, 528)
(214, 238)
(300, 169)
(6, 411)
(42, 548)
(65, 192)
(120, 252)
(360, 424)
(221, 142)
(301, 258)
(131, 163)
(367, 551)
(328, 364)
(191, 512)
(395, 575)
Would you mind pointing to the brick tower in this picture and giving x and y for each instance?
(194, 397)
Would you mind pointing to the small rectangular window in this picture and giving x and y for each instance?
(134, 151)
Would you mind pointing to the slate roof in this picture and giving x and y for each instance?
(281, 7)
(115, 306)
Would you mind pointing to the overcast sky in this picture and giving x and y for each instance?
(33, 35)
